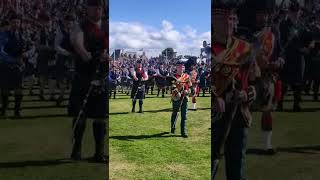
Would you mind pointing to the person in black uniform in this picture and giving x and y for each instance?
(46, 56)
(138, 89)
(151, 81)
(162, 73)
(294, 46)
(64, 54)
(89, 97)
(11, 66)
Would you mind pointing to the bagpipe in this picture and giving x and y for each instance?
(178, 87)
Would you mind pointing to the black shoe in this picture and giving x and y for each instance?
(184, 135)
(100, 158)
(52, 98)
(59, 101)
(140, 111)
(162, 96)
(41, 97)
(270, 152)
(75, 157)
(133, 110)
(280, 107)
(173, 131)
(296, 108)
(3, 113)
(17, 115)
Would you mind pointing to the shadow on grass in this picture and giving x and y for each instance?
(37, 100)
(303, 100)
(35, 116)
(159, 110)
(56, 162)
(303, 109)
(42, 107)
(138, 137)
(298, 150)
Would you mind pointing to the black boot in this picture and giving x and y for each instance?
(17, 107)
(5, 102)
(41, 95)
(296, 107)
(280, 106)
(158, 92)
(59, 100)
(151, 90)
(296, 101)
(99, 132)
(77, 141)
(133, 105)
(163, 91)
(140, 106)
(315, 97)
(173, 130)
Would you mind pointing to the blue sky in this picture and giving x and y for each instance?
(195, 13)
(157, 24)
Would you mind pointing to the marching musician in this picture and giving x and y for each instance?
(64, 53)
(46, 57)
(293, 46)
(139, 77)
(195, 88)
(162, 73)
(179, 98)
(232, 93)
(269, 62)
(151, 73)
(90, 43)
(11, 65)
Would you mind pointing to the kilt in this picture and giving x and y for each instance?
(96, 107)
(10, 76)
(150, 82)
(60, 68)
(138, 92)
(265, 88)
(161, 82)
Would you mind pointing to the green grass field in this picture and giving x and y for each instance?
(37, 147)
(141, 148)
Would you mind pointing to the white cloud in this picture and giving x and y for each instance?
(132, 35)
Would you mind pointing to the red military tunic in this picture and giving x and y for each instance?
(229, 65)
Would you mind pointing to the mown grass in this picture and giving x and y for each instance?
(142, 148)
(37, 146)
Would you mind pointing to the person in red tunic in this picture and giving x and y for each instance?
(180, 99)
(232, 95)
(269, 63)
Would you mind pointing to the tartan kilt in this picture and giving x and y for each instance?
(265, 91)
(161, 82)
(96, 107)
(10, 76)
(138, 92)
